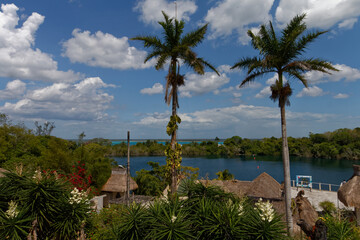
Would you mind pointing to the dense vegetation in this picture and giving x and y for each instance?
(205, 213)
(339, 144)
(80, 162)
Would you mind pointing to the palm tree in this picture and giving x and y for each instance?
(282, 56)
(173, 48)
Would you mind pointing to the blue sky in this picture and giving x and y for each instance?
(72, 62)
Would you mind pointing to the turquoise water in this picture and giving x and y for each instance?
(161, 142)
(246, 168)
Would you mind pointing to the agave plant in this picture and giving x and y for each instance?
(169, 220)
(134, 223)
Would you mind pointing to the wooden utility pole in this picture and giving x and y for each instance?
(128, 170)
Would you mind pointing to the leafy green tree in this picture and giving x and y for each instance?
(176, 48)
(224, 175)
(282, 56)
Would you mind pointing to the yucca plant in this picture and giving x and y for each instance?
(15, 227)
(262, 222)
(169, 220)
(134, 223)
(213, 220)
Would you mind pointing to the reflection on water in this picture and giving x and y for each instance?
(247, 168)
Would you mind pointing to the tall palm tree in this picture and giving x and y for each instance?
(175, 49)
(283, 56)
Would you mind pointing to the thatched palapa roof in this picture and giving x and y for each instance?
(236, 187)
(117, 181)
(349, 192)
(265, 186)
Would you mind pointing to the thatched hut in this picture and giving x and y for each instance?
(265, 187)
(239, 188)
(349, 192)
(115, 187)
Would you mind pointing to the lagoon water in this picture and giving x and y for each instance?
(247, 168)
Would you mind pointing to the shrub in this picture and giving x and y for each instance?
(328, 207)
(341, 229)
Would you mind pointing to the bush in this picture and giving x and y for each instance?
(341, 229)
(328, 207)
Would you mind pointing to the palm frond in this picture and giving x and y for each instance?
(207, 64)
(294, 28)
(302, 43)
(250, 78)
(192, 39)
(321, 65)
(161, 61)
(150, 41)
(246, 62)
(299, 76)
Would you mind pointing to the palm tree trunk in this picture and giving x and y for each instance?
(286, 165)
(173, 142)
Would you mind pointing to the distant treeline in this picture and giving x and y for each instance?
(340, 144)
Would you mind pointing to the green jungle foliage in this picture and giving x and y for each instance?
(20, 146)
(153, 182)
(340, 144)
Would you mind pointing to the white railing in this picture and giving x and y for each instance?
(319, 186)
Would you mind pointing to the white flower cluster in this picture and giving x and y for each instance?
(37, 175)
(265, 210)
(173, 218)
(12, 212)
(241, 209)
(78, 197)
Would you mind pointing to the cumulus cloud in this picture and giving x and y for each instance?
(321, 14)
(345, 73)
(196, 84)
(151, 10)
(18, 57)
(157, 88)
(265, 92)
(311, 92)
(63, 101)
(104, 50)
(230, 16)
(341, 96)
(13, 90)
(239, 120)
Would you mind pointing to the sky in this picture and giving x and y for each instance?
(72, 62)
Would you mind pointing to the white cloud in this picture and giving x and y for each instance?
(237, 94)
(345, 73)
(311, 92)
(151, 10)
(348, 23)
(157, 88)
(104, 50)
(341, 96)
(230, 16)
(321, 14)
(196, 84)
(17, 56)
(13, 90)
(242, 120)
(265, 92)
(82, 101)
